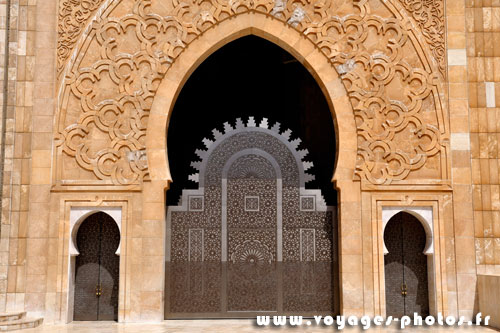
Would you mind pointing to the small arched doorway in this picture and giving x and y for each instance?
(97, 269)
(405, 264)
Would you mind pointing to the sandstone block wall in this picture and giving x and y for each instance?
(483, 71)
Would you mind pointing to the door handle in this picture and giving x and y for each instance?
(98, 290)
(404, 289)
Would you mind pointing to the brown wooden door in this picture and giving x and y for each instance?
(97, 269)
(405, 267)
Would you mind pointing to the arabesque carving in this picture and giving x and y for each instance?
(107, 93)
(73, 15)
(429, 15)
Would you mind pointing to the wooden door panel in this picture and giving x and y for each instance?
(106, 309)
(405, 267)
(87, 270)
(109, 272)
(85, 298)
(394, 269)
(415, 266)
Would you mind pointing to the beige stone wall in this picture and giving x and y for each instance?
(15, 203)
(460, 228)
(422, 160)
(483, 56)
(5, 208)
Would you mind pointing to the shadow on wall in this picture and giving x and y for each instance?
(489, 294)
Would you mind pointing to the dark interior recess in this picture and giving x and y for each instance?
(251, 77)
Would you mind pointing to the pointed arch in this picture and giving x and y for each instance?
(284, 36)
(328, 80)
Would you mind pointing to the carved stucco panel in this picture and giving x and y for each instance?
(110, 82)
(72, 18)
(429, 15)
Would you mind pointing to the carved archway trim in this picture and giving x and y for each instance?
(291, 41)
(74, 26)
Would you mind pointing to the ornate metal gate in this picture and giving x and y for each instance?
(251, 239)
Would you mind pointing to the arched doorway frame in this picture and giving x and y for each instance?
(423, 214)
(285, 36)
(80, 214)
(430, 214)
(77, 215)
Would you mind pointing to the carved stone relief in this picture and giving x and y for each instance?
(73, 16)
(111, 80)
(429, 15)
